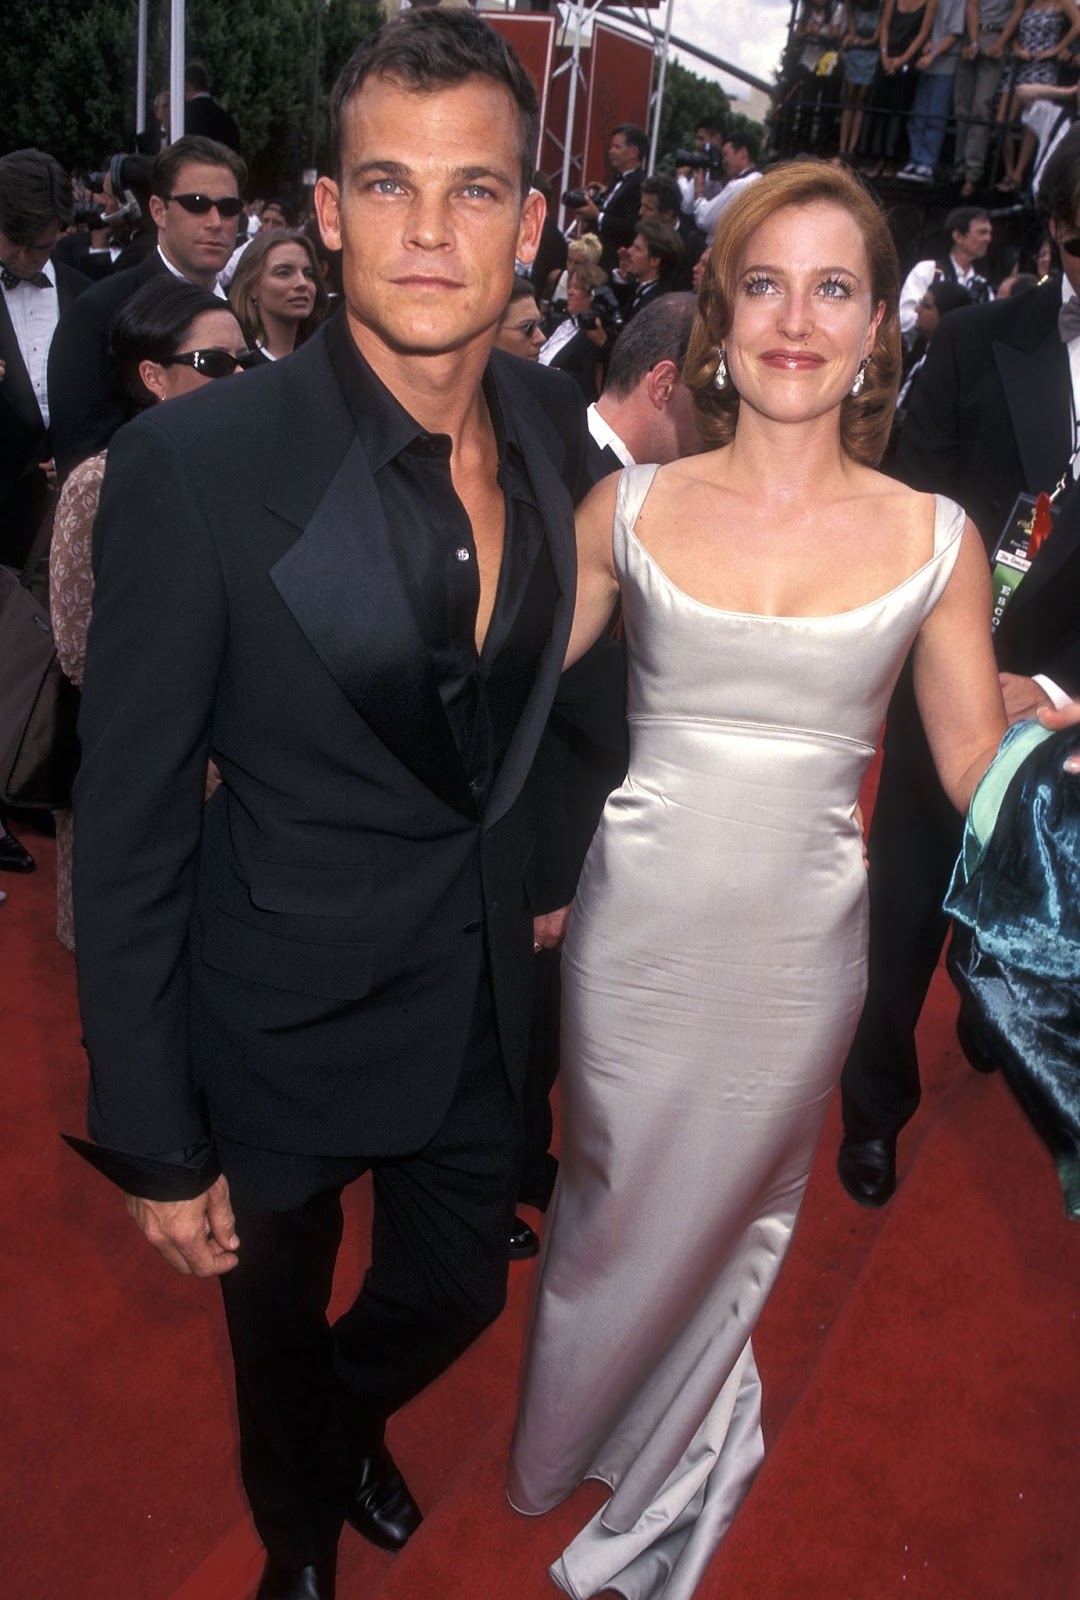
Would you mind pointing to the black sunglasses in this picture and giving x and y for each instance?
(214, 362)
(527, 328)
(230, 205)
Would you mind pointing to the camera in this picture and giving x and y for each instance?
(604, 310)
(87, 214)
(575, 199)
(707, 159)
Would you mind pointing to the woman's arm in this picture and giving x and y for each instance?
(956, 676)
(597, 584)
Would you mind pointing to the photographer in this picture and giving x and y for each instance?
(705, 154)
(582, 342)
(614, 213)
(738, 160)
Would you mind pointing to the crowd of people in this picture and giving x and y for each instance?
(361, 724)
(970, 92)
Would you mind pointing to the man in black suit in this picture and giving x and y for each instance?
(35, 203)
(661, 201)
(991, 417)
(350, 582)
(614, 215)
(202, 114)
(195, 206)
(651, 260)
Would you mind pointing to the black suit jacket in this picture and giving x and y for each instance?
(580, 359)
(990, 418)
(204, 116)
(620, 215)
(294, 963)
(24, 440)
(89, 405)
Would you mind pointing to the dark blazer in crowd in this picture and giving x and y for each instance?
(580, 359)
(550, 257)
(90, 405)
(73, 249)
(204, 116)
(990, 417)
(620, 209)
(24, 439)
(329, 911)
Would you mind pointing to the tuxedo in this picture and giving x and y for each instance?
(24, 439)
(646, 293)
(90, 404)
(328, 965)
(618, 216)
(989, 418)
(581, 360)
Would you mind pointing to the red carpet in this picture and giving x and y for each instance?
(920, 1365)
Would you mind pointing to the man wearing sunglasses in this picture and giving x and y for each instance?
(195, 205)
(993, 416)
(348, 580)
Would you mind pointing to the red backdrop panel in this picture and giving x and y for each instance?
(533, 37)
(620, 82)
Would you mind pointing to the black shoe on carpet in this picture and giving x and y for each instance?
(281, 1581)
(524, 1241)
(867, 1169)
(14, 857)
(381, 1507)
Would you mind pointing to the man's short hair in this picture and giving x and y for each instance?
(746, 140)
(430, 50)
(1059, 187)
(960, 219)
(634, 136)
(34, 192)
(194, 147)
(523, 289)
(662, 243)
(659, 332)
(667, 192)
(196, 77)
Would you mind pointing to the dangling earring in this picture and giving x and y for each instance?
(860, 376)
(721, 377)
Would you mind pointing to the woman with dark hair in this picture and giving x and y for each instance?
(715, 965)
(578, 344)
(168, 340)
(277, 292)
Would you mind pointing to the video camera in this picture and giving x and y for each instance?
(707, 159)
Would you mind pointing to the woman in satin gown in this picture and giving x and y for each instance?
(714, 968)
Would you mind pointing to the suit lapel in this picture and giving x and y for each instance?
(544, 455)
(342, 584)
(1035, 378)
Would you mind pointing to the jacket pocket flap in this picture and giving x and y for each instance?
(306, 890)
(332, 971)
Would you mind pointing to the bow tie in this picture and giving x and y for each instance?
(1069, 320)
(40, 281)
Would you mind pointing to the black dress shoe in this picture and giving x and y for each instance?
(14, 857)
(867, 1169)
(381, 1507)
(281, 1581)
(524, 1241)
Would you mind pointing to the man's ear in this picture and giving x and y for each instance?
(661, 381)
(328, 211)
(157, 210)
(533, 212)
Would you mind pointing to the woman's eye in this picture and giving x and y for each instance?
(760, 285)
(836, 289)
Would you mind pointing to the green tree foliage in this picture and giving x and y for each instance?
(689, 101)
(67, 73)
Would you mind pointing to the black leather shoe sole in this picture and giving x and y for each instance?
(867, 1170)
(524, 1241)
(283, 1582)
(381, 1507)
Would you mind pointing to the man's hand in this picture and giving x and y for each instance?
(588, 212)
(49, 469)
(549, 931)
(196, 1237)
(1022, 696)
(1063, 717)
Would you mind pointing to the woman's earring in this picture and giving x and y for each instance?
(860, 376)
(721, 377)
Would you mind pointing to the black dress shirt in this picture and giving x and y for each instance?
(434, 544)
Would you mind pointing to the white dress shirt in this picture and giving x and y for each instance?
(707, 212)
(603, 434)
(916, 284)
(34, 314)
(557, 341)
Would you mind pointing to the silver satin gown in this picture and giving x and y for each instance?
(713, 975)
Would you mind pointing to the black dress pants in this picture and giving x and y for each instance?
(915, 838)
(312, 1397)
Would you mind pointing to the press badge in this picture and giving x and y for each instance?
(1023, 536)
